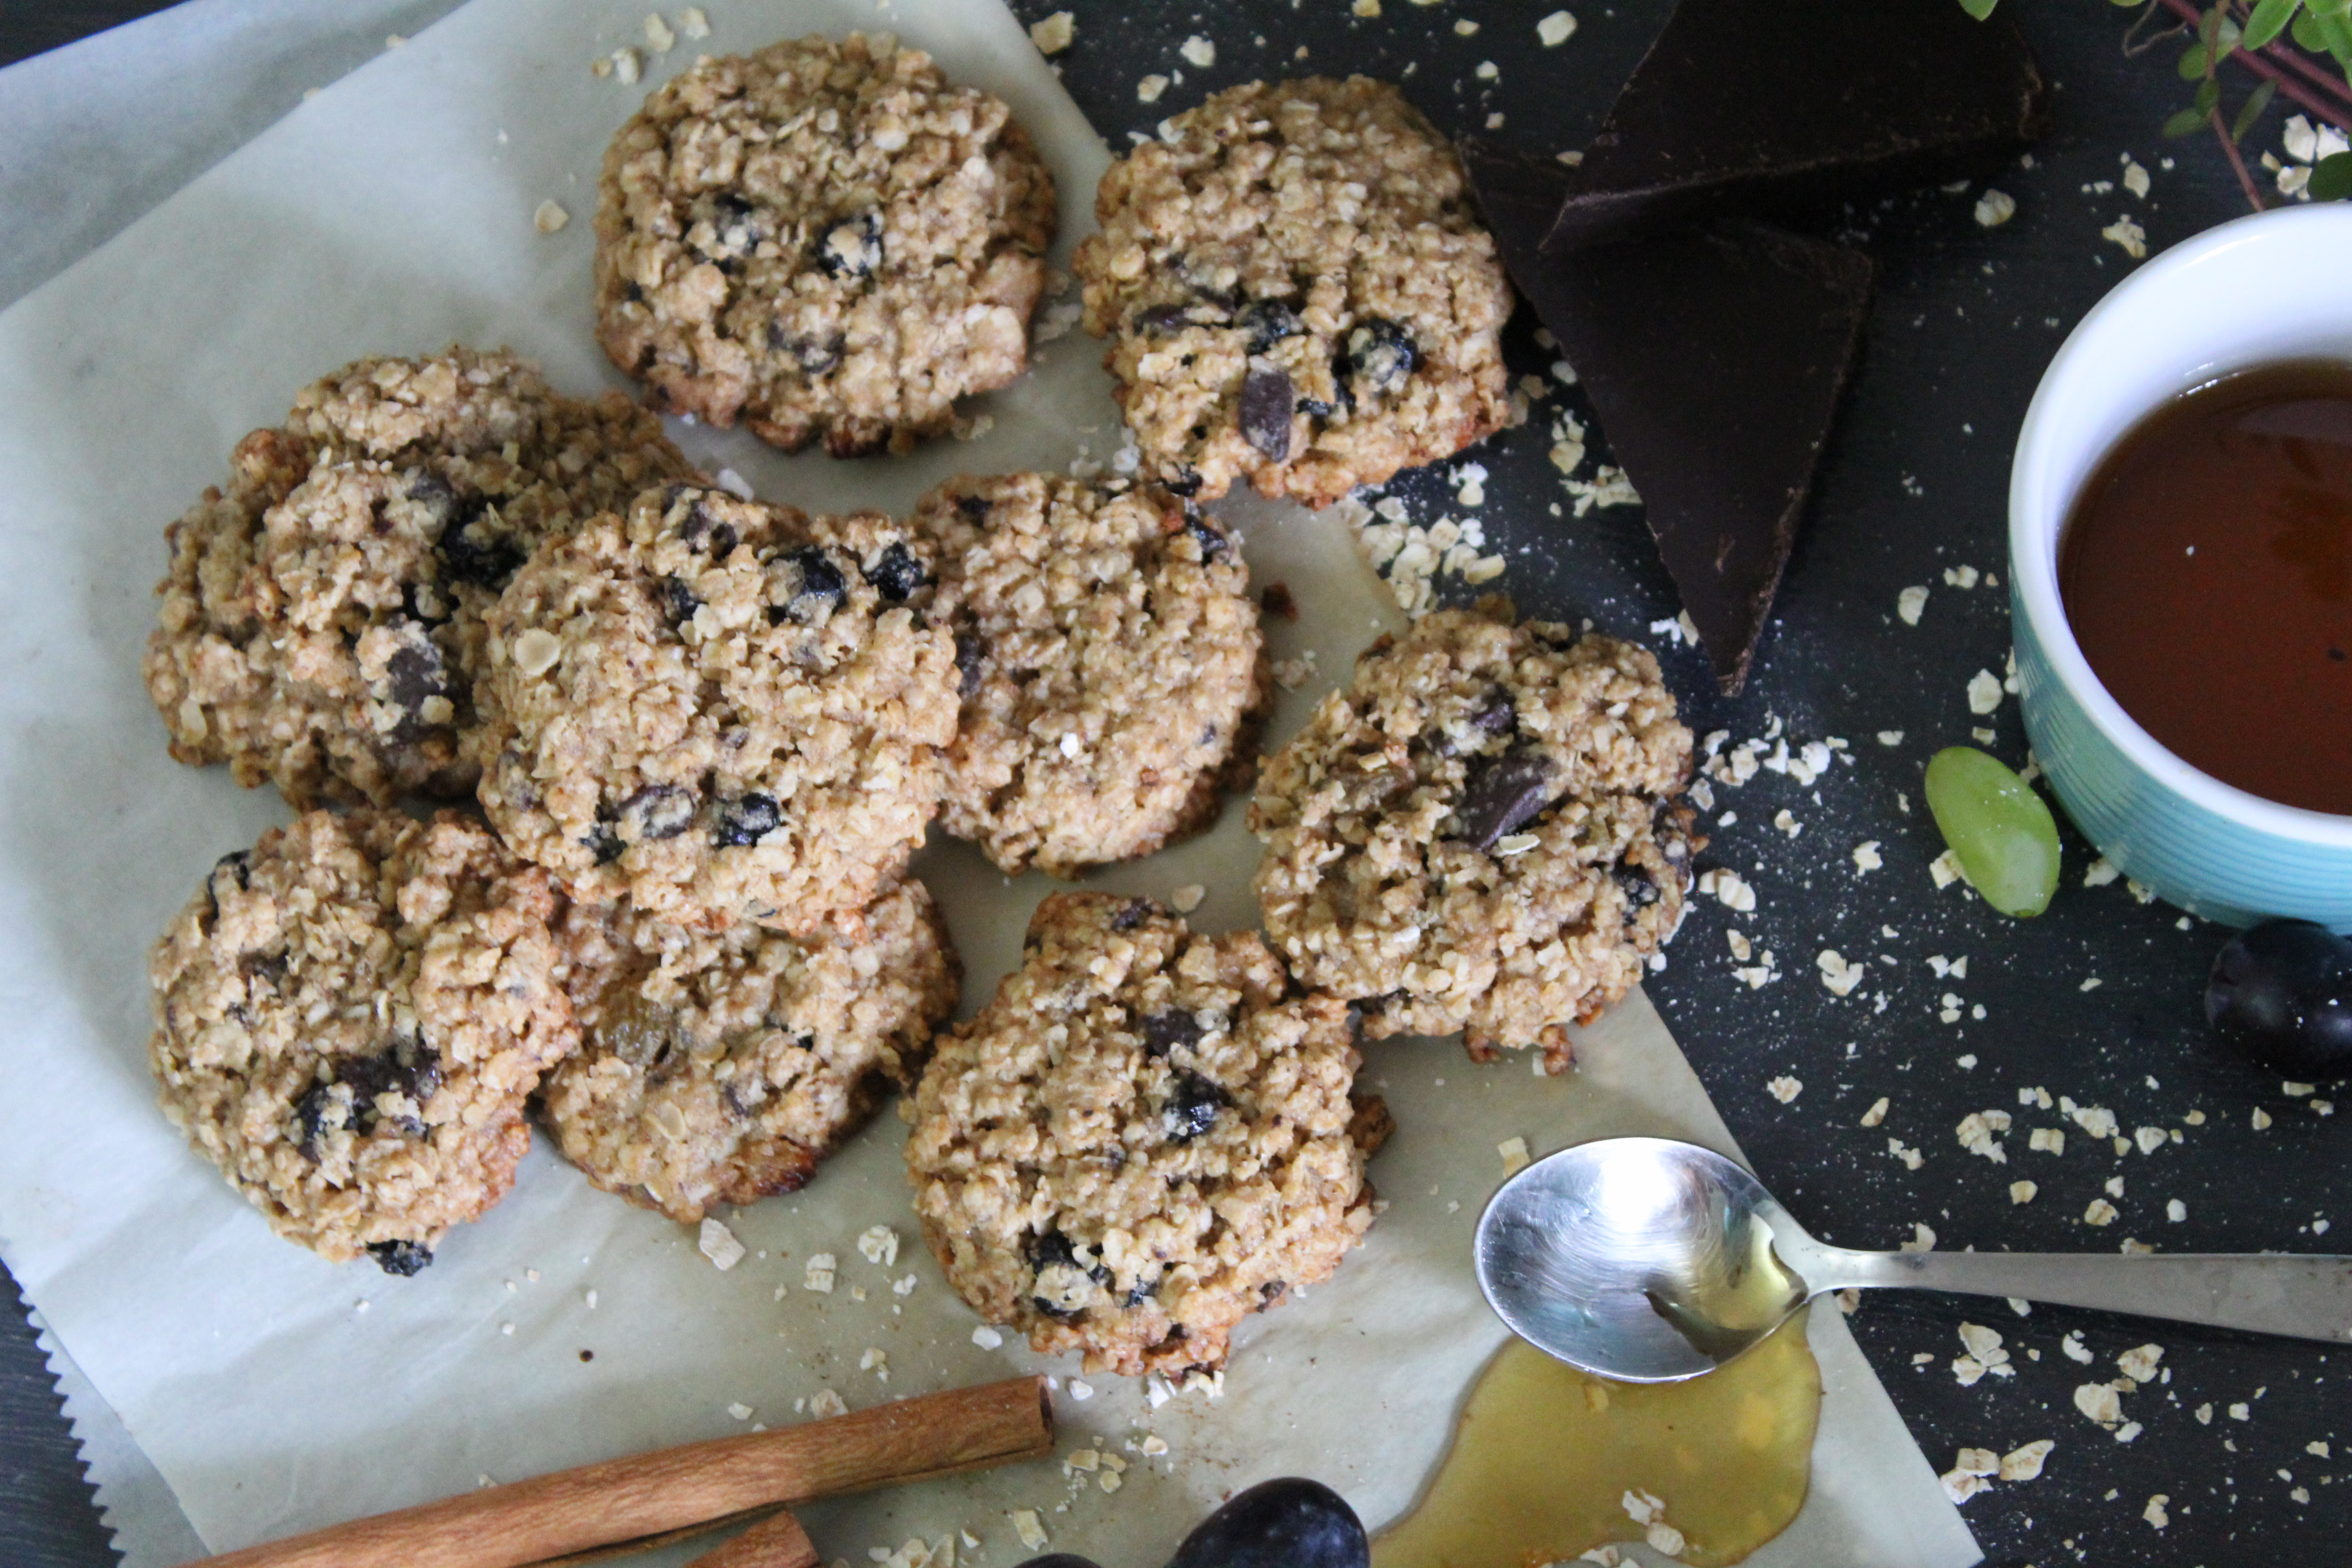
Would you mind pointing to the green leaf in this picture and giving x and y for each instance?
(2188, 122)
(1980, 9)
(2326, 9)
(2192, 64)
(2331, 178)
(2209, 96)
(2269, 20)
(2252, 109)
(2306, 33)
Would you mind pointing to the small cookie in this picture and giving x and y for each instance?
(1111, 668)
(1144, 1137)
(717, 709)
(821, 239)
(719, 1069)
(1298, 291)
(1480, 830)
(349, 1017)
(320, 624)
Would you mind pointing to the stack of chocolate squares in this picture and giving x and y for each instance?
(1713, 334)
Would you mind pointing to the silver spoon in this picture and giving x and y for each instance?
(1648, 1260)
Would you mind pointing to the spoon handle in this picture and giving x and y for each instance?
(2303, 1296)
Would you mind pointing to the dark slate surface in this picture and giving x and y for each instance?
(1913, 485)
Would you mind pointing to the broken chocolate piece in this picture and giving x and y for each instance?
(1503, 796)
(1715, 359)
(1755, 106)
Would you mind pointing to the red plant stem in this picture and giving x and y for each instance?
(2245, 180)
(2335, 114)
(2304, 66)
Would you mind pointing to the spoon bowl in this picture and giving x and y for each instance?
(1648, 1260)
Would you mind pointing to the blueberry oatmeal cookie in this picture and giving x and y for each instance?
(1145, 1136)
(320, 624)
(821, 239)
(349, 1017)
(1298, 290)
(1480, 831)
(1110, 667)
(722, 1069)
(716, 709)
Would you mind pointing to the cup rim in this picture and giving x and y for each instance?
(2032, 542)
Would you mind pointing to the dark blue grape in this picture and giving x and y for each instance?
(1292, 1523)
(2281, 995)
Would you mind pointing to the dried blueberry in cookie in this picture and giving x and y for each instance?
(349, 1017)
(1145, 1136)
(1480, 831)
(1299, 292)
(722, 1069)
(824, 239)
(1110, 665)
(773, 756)
(320, 625)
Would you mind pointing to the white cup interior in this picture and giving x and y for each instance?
(2276, 286)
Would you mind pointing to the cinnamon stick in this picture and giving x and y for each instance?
(676, 1490)
(778, 1542)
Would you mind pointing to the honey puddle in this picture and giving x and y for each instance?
(1545, 1455)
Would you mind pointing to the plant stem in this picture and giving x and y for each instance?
(2304, 66)
(2335, 114)
(2245, 180)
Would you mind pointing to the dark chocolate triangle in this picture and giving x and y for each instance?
(1755, 107)
(1715, 359)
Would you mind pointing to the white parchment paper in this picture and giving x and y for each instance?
(274, 1392)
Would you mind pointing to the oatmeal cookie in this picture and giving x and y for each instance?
(320, 624)
(349, 1017)
(716, 709)
(821, 239)
(1297, 289)
(1111, 669)
(1480, 831)
(719, 1069)
(1144, 1137)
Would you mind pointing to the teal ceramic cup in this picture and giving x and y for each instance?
(2271, 287)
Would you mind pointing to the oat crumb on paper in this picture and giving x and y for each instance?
(1026, 1525)
(718, 1244)
(879, 1244)
(627, 66)
(1365, 7)
(659, 37)
(693, 23)
(819, 1273)
(1053, 34)
(549, 216)
(1514, 1152)
(826, 1402)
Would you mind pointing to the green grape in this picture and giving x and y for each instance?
(1997, 827)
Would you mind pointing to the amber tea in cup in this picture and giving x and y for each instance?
(2206, 571)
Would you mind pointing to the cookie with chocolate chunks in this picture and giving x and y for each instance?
(349, 1017)
(1145, 1136)
(1479, 831)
